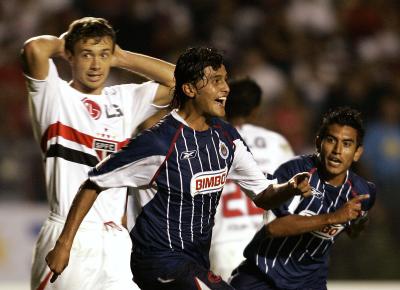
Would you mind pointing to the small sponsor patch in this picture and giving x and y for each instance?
(104, 148)
(315, 192)
(188, 154)
(223, 150)
(208, 181)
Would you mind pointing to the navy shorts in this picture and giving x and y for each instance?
(175, 274)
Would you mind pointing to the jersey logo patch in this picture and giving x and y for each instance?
(327, 232)
(223, 150)
(315, 192)
(188, 154)
(93, 108)
(104, 148)
(208, 181)
(113, 111)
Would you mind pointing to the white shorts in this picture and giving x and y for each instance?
(100, 258)
(224, 257)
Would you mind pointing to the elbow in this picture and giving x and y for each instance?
(271, 231)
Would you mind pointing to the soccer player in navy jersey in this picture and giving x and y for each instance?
(178, 168)
(292, 250)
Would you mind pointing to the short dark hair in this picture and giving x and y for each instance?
(244, 97)
(344, 116)
(88, 27)
(190, 69)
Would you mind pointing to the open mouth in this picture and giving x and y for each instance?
(221, 101)
(334, 161)
(94, 77)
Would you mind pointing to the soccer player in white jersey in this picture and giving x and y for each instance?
(237, 218)
(77, 124)
(179, 166)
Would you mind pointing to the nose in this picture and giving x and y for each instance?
(95, 64)
(338, 147)
(225, 87)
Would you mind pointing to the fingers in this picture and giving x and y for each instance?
(54, 277)
(359, 198)
(302, 177)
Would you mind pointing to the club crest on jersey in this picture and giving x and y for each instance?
(208, 181)
(92, 107)
(188, 154)
(327, 232)
(104, 148)
(315, 192)
(223, 150)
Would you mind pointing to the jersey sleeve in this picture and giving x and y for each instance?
(245, 171)
(139, 100)
(133, 166)
(43, 97)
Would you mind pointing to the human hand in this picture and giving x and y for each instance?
(300, 184)
(57, 260)
(350, 210)
(115, 59)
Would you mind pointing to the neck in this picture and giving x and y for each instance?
(195, 121)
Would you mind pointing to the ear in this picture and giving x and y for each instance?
(358, 153)
(318, 142)
(189, 90)
(68, 55)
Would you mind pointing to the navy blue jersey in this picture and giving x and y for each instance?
(300, 261)
(179, 174)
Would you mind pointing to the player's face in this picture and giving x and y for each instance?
(91, 64)
(212, 92)
(338, 150)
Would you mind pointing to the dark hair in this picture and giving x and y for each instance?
(190, 69)
(344, 116)
(244, 97)
(88, 27)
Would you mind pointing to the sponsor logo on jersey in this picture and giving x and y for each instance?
(113, 111)
(315, 192)
(327, 232)
(104, 148)
(223, 150)
(93, 108)
(188, 154)
(208, 181)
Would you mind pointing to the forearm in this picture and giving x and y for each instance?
(81, 204)
(274, 196)
(297, 224)
(36, 53)
(149, 67)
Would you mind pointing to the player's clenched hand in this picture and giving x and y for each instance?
(300, 184)
(57, 260)
(350, 210)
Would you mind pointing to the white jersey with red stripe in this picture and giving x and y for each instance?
(77, 130)
(237, 218)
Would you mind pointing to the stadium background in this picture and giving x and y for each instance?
(308, 55)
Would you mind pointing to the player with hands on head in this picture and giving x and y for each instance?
(292, 250)
(78, 123)
(179, 168)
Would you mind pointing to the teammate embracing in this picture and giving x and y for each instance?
(78, 124)
(179, 167)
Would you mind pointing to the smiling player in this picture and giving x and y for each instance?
(292, 250)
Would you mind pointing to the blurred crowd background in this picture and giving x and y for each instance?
(308, 56)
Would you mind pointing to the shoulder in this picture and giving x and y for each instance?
(226, 127)
(363, 186)
(300, 163)
(132, 87)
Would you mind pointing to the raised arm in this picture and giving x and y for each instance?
(149, 67)
(297, 224)
(36, 53)
(57, 259)
(277, 194)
